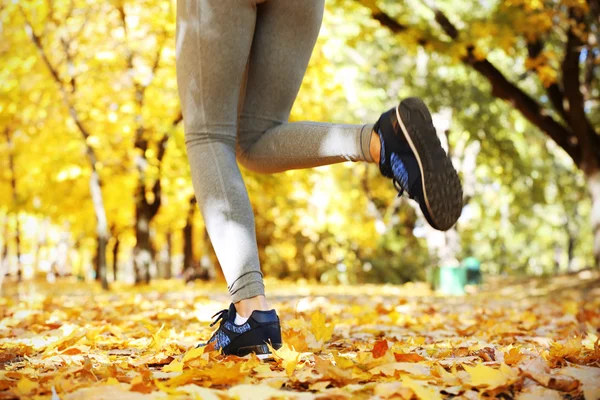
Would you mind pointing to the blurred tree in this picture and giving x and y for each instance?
(62, 40)
(343, 223)
(556, 41)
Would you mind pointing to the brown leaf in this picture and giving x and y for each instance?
(333, 373)
(561, 383)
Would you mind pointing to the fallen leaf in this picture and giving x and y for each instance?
(589, 378)
(138, 384)
(174, 366)
(193, 354)
(331, 372)
(388, 389)
(319, 328)
(484, 376)
(513, 356)
(423, 392)
(288, 356)
(67, 341)
(26, 387)
(380, 348)
(390, 369)
(408, 357)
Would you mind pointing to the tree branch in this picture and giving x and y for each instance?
(502, 87)
(162, 149)
(554, 91)
(61, 86)
(588, 77)
(582, 128)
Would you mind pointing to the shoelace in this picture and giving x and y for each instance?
(222, 315)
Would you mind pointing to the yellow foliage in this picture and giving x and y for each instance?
(319, 328)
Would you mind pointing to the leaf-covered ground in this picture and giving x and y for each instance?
(528, 341)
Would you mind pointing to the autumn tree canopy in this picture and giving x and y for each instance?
(94, 175)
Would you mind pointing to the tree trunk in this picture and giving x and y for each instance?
(66, 92)
(168, 265)
(142, 252)
(115, 255)
(101, 225)
(593, 180)
(18, 247)
(62, 252)
(15, 198)
(101, 262)
(4, 252)
(571, 251)
(188, 236)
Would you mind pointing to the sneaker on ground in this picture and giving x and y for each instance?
(261, 328)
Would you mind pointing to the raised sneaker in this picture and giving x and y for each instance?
(413, 157)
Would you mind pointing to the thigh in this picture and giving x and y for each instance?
(284, 38)
(213, 44)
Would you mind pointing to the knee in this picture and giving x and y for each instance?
(209, 136)
(245, 160)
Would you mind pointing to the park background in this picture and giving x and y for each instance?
(94, 180)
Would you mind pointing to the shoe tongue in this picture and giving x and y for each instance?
(231, 313)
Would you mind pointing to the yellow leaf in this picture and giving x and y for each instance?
(257, 392)
(289, 357)
(391, 368)
(448, 378)
(388, 389)
(67, 341)
(484, 376)
(174, 366)
(193, 354)
(168, 389)
(342, 362)
(250, 364)
(25, 386)
(158, 340)
(571, 348)
(322, 331)
(330, 371)
(423, 392)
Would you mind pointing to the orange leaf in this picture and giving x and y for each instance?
(138, 385)
(408, 357)
(513, 356)
(381, 347)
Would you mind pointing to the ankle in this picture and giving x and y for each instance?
(245, 307)
(375, 147)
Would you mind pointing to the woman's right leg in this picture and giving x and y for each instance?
(286, 32)
(411, 154)
(213, 43)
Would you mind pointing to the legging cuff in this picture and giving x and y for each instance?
(247, 286)
(365, 142)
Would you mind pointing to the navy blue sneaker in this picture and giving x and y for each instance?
(252, 337)
(413, 157)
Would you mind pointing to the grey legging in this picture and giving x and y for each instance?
(226, 48)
